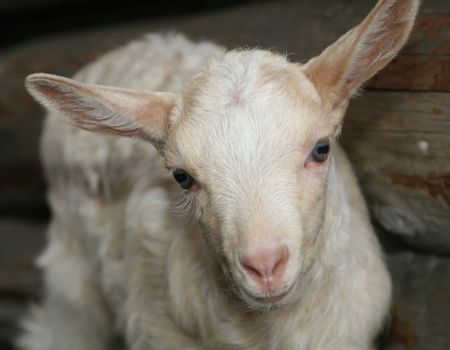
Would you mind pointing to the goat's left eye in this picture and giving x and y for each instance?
(321, 150)
(185, 180)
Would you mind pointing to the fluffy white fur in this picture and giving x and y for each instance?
(121, 263)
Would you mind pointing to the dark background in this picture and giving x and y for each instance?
(24, 19)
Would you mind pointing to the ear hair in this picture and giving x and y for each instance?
(345, 65)
(104, 109)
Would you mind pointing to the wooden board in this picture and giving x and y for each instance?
(424, 64)
(419, 317)
(399, 144)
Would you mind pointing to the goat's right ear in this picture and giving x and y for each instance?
(104, 109)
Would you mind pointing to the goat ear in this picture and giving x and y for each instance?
(104, 109)
(341, 69)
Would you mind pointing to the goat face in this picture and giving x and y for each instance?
(249, 141)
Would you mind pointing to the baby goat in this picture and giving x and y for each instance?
(278, 252)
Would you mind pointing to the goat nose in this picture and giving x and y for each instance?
(267, 266)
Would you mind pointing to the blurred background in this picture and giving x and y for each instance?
(397, 134)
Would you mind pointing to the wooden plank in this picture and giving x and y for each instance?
(421, 303)
(399, 144)
(424, 64)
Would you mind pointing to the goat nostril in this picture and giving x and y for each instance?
(266, 265)
(252, 271)
(280, 265)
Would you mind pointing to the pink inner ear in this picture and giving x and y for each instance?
(47, 88)
(151, 109)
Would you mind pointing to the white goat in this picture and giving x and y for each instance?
(279, 252)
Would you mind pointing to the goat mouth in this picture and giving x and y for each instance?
(269, 299)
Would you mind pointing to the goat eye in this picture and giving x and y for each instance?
(185, 180)
(321, 150)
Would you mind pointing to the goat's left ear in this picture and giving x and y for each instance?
(341, 69)
(104, 109)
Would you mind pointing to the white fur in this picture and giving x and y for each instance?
(120, 263)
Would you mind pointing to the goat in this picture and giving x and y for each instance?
(273, 246)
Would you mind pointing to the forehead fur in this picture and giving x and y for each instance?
(241, 98)
(239, 77)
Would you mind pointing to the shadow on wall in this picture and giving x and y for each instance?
(25, 19)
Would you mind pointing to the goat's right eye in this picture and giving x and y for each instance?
(185, 180)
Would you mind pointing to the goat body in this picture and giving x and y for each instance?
(278, 251)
